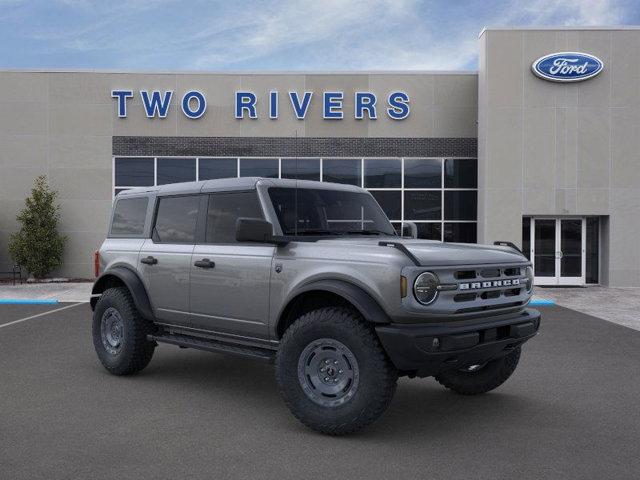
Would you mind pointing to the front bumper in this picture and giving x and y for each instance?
(427, 350)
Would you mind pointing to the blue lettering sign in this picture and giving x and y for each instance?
(246, 101)
(156, 105)
(122, 96)
(398, 105)
(300, 108)
(332, 105)
(365, 101)
(273, 105)
(200, 100)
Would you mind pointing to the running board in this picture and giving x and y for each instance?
(185, 341)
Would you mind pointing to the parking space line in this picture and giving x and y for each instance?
(41, 314)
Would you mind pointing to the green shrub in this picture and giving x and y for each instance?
(38, 246)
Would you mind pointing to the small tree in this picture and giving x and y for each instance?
(38, 246)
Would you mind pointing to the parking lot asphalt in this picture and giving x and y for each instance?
(571, 410)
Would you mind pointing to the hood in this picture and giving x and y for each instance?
(434, 253)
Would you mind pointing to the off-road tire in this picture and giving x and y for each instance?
(487, 378)
(377, 376)
(135, 351)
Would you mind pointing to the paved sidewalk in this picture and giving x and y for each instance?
(617, 305)
(63, 292)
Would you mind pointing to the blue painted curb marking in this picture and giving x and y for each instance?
(26, 301)
(538, 303)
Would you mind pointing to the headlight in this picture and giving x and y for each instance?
(425, 288)
(529, 281)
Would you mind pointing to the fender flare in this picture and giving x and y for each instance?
(368, 307)
(132, 281)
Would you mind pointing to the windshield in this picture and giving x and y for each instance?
(307, 211)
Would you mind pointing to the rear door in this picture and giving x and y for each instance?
(230, 280)
(165, 259)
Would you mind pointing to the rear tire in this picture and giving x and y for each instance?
(120, 333)
(482, 380)
(333, 373)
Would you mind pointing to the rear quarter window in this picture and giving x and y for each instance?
(128, 216)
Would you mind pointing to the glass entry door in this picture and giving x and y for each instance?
(558, 250)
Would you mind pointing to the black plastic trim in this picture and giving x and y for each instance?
(360, 299)
(132, 282)
(403, 249)
(429, 349)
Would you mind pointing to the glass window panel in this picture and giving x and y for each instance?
(422, 173)
(422, 205)
(460, 205)
(382, 173)
(129, 215)
(259, 167)
(430, 231)
(212, 168)
(397, 226)
(460, 232)
(338, 170)
(118, 190)
(176, 170)
(526, 237)
(176, 219)
(134, 172)
(301, 168)
(224, 209)
(460, 173)
(545, 248)
(391, 203)
(571, 248)
(593, 241)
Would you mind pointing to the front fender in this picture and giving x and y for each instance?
(132, 281)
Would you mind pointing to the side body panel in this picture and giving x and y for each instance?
(167, 281)
(233, 296)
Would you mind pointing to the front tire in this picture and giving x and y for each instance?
(481, 378)
(333, 373)
(120, 333)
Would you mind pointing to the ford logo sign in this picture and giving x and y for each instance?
(567, 66)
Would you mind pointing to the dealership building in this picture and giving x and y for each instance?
(540, 146)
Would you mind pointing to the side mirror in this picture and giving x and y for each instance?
(254, 230)
(410, 230)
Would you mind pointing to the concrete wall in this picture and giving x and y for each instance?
(61, 125)
(561, 149)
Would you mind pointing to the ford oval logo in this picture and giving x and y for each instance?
(567, 66)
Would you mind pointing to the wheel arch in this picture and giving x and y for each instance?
(323, 293)
(123, 277)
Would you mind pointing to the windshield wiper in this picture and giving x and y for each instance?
(317, 232)
(368, 232)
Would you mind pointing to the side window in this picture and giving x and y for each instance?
(129, 215)
(225, 209)
(176, 219)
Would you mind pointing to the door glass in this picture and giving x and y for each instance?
(545, 248)
(176, 219)
(571, 248)
(593, 234)
(225, 209)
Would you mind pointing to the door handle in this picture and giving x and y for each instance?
(204, 263)
(149, 260)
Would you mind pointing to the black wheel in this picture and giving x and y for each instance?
(477, 379)
(333, 373)
(120, 333)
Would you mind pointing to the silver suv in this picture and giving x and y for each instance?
(313, 277)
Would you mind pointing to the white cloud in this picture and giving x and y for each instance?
(305, 34)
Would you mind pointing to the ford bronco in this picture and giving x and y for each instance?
(312, 277)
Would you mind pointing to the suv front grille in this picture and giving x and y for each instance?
(486, 287)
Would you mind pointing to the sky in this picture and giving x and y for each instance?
(278, 35)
